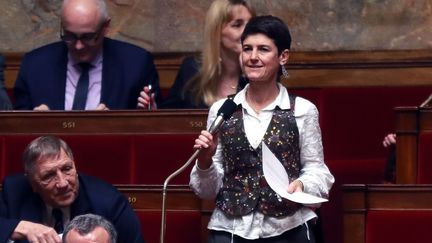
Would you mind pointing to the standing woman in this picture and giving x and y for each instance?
(229, 167)
(199, 83)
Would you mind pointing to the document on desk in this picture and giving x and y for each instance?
(277, 178)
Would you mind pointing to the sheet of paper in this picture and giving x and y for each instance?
(278, 180)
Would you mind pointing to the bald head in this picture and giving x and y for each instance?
(81, 19)
(84, 10)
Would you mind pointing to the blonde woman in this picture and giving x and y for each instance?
(216, 74)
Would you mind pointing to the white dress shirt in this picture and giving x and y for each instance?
(314, 174)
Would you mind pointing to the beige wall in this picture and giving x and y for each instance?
(176, 25)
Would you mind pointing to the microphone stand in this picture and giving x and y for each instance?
(178, 171)
(226, 110)
(213, 129)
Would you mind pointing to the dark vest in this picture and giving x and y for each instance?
(244, 187)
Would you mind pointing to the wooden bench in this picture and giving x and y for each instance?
(148, 146)
(414, 143)
(117, 146)
(387, 213)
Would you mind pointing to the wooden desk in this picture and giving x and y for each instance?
(128, 147)
(181, 201)
(121, 147)
(360, 200)
(103, 122)
(410, 122)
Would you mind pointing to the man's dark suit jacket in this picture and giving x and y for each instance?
(126, 69)
(5, 103)
(18, 202)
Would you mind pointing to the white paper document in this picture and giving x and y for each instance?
(277, 178)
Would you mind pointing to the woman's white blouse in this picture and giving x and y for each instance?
(314, 174)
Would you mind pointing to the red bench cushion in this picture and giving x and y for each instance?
(398, 226)
(424, 167)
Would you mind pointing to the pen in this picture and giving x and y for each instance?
(150, 89)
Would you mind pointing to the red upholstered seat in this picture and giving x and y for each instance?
(313, 95)
(118, 159)
(398, 226)
(160, 155)
(346, 172)
(13, 149)
(2, 159)
(355, 120)
(424, 169)
(109, 157)
(181, 227)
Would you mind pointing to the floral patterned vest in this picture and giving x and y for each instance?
(244, 187)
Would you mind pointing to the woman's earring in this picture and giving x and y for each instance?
(285, 73)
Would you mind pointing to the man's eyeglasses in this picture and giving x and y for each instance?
(86, 38)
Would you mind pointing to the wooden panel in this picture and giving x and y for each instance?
(354, 215)
(13, 62)
(141, 137)
(410, 122)
(313, 69)
(106, 122)
(425, 119)
(354, 224)
(345, 76)
(149, 197)
(379, 197)
(406, 147)
(179, 199)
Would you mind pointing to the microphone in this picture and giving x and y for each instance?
(223, 114)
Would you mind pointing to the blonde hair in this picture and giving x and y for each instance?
(204, 85)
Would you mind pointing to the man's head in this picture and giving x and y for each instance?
(89, 228)
(84, 23)
(50, 169)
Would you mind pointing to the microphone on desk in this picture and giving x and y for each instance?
(223, 114)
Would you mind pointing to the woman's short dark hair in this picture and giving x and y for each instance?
(270, 26)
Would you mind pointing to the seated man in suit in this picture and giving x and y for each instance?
(5, 103)
(35, 206)
(86, 70)
(89, 228)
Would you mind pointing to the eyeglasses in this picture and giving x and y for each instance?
(86, 38)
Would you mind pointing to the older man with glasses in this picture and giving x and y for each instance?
(37, 205)
(86, 70)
